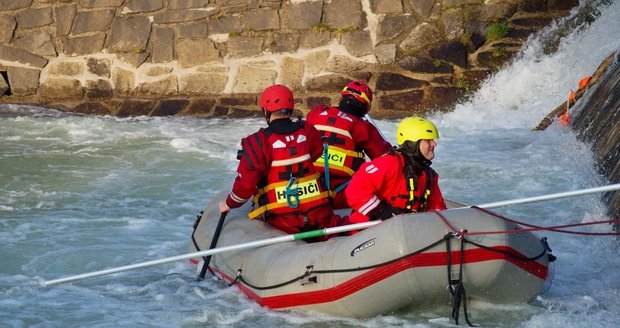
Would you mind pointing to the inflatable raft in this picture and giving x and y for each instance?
(409, 260)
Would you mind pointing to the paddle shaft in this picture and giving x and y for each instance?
(309, 234)
(216, 236)
(559, 195)
(209, 252)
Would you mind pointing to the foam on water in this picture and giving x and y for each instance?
(82, 193)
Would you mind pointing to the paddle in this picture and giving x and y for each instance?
(216, 236)
(314, 233)
(209, 252)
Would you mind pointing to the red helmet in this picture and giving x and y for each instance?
(359, 90)
(276, 97)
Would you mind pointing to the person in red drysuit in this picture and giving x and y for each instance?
(348, 138)
(276, 170)
(400, 182)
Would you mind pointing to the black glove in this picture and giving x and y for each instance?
(384, 211)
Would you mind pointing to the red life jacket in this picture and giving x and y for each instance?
(292, 184)
(413, 192)
(344, 157)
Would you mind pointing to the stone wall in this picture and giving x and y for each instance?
(597, 122)
(213, 57)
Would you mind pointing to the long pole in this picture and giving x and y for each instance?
(209, 252)
(314, 233)
(559, 195)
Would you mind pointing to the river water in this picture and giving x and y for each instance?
(85, 193)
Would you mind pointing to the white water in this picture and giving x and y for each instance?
(80, 194)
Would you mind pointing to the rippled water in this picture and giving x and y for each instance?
(83, 193)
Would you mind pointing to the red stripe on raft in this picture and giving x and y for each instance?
(377, 274)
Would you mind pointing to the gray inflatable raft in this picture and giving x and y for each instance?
(413, 259)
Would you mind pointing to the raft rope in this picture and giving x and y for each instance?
(455, 286)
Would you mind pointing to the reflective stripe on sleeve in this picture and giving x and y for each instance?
(370, 205)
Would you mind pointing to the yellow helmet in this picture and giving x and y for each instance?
(414, 129)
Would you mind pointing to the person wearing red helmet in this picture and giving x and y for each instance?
(348, 138)
(400, 182)
(276, 170)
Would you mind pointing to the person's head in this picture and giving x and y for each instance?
(276, 101)
(416, 136)
(356, 98)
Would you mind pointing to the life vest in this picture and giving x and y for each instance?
(344, 157)
(411, 197)
(292, 184)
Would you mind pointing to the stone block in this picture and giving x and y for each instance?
(193, 52)
(123, 81)
(129, 34)
(239, 100)
(533, 5)
(443, 98)
(94, 20)
(92, 108)
(157, 89)
(386, 6)
(61, 89)
(561, 4)
(169, 107)
(191, 30)
(178, 16)
(261, 19)
(157, 70)
(99, 3)
(345, 64)
(497, 12)
(7, 28)
(424, 8)
(255, 77)
(245, 46)
(99, 66)
(23, 81)
(284, 42)
(391, 26)
(425, 65)
(302, 16)
(68, 68)
(358, 43)
(327, 83)
(35, 17)
(454, 23)
(4, 87)
(143, 6)
(461, 3)
(134, 108)
(312, 102)
(409, 102)
(12, 54)
(451, 51)
(315, 61)
(14, 4)
(83, 45)
(314, 38)
(199, 107)
(292, 73)
(161, 45)
(38, 42)
(187, 4)
(344, 14)
(133, 59)
(98, 89)
(395, 81)
(64, 16)
(385, 53)
(202, 83)
(225, 24)
(421, 37)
